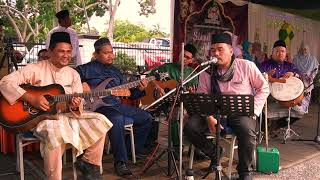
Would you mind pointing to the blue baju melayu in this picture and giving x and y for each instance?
(119, 114)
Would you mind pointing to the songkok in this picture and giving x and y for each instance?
(101, 42)
(58, 37)
(190, 48)
(221, 38)
(279, 43)
(62, 14)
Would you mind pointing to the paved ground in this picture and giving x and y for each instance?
(298, 160)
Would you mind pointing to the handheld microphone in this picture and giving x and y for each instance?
(212, 60)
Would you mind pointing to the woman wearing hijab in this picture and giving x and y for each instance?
(308, 66)
(247, 48)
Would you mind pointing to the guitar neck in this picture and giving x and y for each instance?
(132, 84)
(68, 97)
(101, 93)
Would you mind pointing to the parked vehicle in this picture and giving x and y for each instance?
(32, 55)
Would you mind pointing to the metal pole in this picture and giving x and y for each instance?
(181, 110)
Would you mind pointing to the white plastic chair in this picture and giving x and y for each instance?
(229, 139)
(22, 140)
(129, 129)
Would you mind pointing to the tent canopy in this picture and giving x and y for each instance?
(305, 8)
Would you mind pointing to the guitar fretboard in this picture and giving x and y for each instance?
(106, 92)
(68, 97)
(132, 84)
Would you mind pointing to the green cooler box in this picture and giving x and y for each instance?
(268, 160)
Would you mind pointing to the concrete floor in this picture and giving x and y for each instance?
(291, 154)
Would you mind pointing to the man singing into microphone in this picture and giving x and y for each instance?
(229, 75)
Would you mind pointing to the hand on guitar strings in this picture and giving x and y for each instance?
(39, 102)
(212, 122)
(143, 84)
(75, 103)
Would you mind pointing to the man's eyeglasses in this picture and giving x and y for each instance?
(187, 57)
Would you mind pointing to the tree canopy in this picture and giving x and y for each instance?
(124, 31)
(31, 20)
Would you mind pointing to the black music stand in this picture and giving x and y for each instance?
(221, 106)
(164, 105)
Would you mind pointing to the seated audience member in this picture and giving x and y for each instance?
(229, 75)
(247, 50)
(257, 54)
(83, 130)
(99, 70)
(43, 55)
(307, 64)
(237, 48)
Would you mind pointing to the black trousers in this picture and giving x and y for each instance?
(242, 126)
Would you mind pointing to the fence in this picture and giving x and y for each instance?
(137, 54)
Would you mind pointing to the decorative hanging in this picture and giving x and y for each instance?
(286, 33)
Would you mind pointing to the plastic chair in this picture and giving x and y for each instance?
(24, 139)
(229, 139)
(129, 129)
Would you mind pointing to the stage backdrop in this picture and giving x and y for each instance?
(265, 24)
(196, 20)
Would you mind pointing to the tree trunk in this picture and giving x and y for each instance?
(58, 8)
(112, 14)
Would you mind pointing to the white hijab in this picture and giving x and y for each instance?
(306, 63)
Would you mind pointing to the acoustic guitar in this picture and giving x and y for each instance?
(21, 116)
(94, 103)
(151, 91)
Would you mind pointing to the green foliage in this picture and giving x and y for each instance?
(156, 32)
(41, 13)
(125, 63)
(125, 31)
(147, 7)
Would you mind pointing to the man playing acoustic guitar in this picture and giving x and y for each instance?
(83, 130)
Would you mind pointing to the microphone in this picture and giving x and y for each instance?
(212, 60)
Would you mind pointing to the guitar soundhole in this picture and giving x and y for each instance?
(49, 99)
(33, 111)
